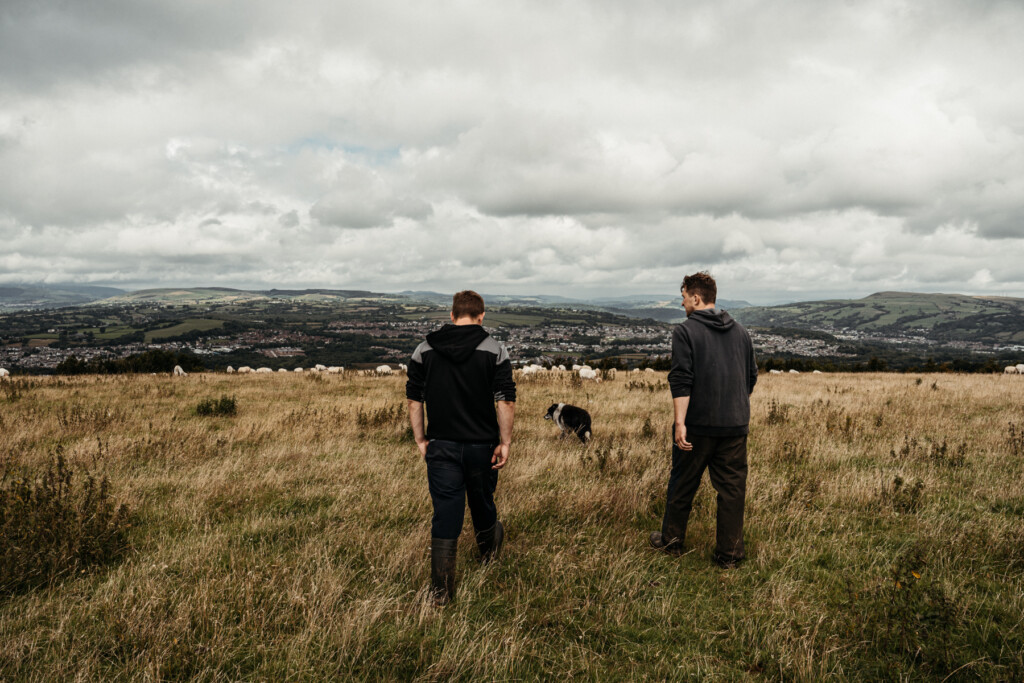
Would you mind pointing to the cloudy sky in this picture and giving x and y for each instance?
(796, 149)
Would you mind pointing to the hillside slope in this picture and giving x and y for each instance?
(939, 317)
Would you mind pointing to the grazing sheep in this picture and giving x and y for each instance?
(320, 368)
(230, 370)
(636, 370)
(650, 370)
(298, 369)
(1020, 368)
(575, 367)
(335, 370)
(610, 374)
(384, 370)
(561, 368)
(244, 370)
(816, 372)
(178, 371)
(403, 367)
(4, 372)
(775, 372)
(281, 370)
(587, 373)
(1010, 370)
(794, 372)
(264, 370)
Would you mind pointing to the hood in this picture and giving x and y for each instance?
(715, 319)
(457, 342)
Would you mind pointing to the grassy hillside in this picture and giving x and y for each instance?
(885, 535)
(27, 297)
(937, 316)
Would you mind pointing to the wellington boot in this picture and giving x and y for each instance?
(442, 569)
(489, 542)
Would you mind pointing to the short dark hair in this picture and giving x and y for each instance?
(701, 284)
(467, 304)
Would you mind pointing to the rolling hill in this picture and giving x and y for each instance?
(937, 317)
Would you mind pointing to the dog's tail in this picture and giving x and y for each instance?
(585, 436)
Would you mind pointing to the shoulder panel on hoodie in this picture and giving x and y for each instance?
(492, 345)
(417, 355)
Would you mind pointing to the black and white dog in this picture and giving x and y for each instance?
(571, 420)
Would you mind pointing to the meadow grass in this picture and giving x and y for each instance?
(885, 536)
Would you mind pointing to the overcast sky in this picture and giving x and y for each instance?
(795, 149)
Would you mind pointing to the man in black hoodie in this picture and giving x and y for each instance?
(464, 376)
(713, 373)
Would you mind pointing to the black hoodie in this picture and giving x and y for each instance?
(459, 372)
(713, 363)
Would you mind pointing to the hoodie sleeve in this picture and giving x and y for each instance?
(752, 372)
(504, 386)
(416, 382)
(680, 377)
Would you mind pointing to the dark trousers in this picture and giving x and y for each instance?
(457, 473)
(725, 458)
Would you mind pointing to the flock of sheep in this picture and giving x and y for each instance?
(331, 370)
(585, 371)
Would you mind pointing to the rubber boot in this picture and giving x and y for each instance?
(489, 542)
(442, 569)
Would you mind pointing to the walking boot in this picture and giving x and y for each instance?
(489, 542)
(442, 569)
(658, 542)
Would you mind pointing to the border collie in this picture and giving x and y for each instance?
(570, 420)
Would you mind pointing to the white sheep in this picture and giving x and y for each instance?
(335, 370)
(561, 368)
(384, 370)
(587, 373)
(178, 371)
(403, 367)
(794, 372)
(816, 372)
(244, 370)
(1020, 368)
(4, 372)
(775, 372)
(298, 369)
(1010, 370)
(635, 370)
(320, 368)
(650, 370)
(281, 370)
(230, 370)
(610, 374)
(264, 370)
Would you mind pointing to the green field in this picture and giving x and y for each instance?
(187, 326)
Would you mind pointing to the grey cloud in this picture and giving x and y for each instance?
(364, 200)
(581, 145)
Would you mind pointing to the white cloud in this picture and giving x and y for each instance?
(580, 147)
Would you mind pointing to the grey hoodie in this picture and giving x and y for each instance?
(713, 363)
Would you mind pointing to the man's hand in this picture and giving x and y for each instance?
(416, 423)
(681, 437)
(500, 456)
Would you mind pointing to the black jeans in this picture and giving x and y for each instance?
(725, 458)
(457, 472)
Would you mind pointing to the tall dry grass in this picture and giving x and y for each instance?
(885, 535)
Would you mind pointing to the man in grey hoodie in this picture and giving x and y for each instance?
(713, 373)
